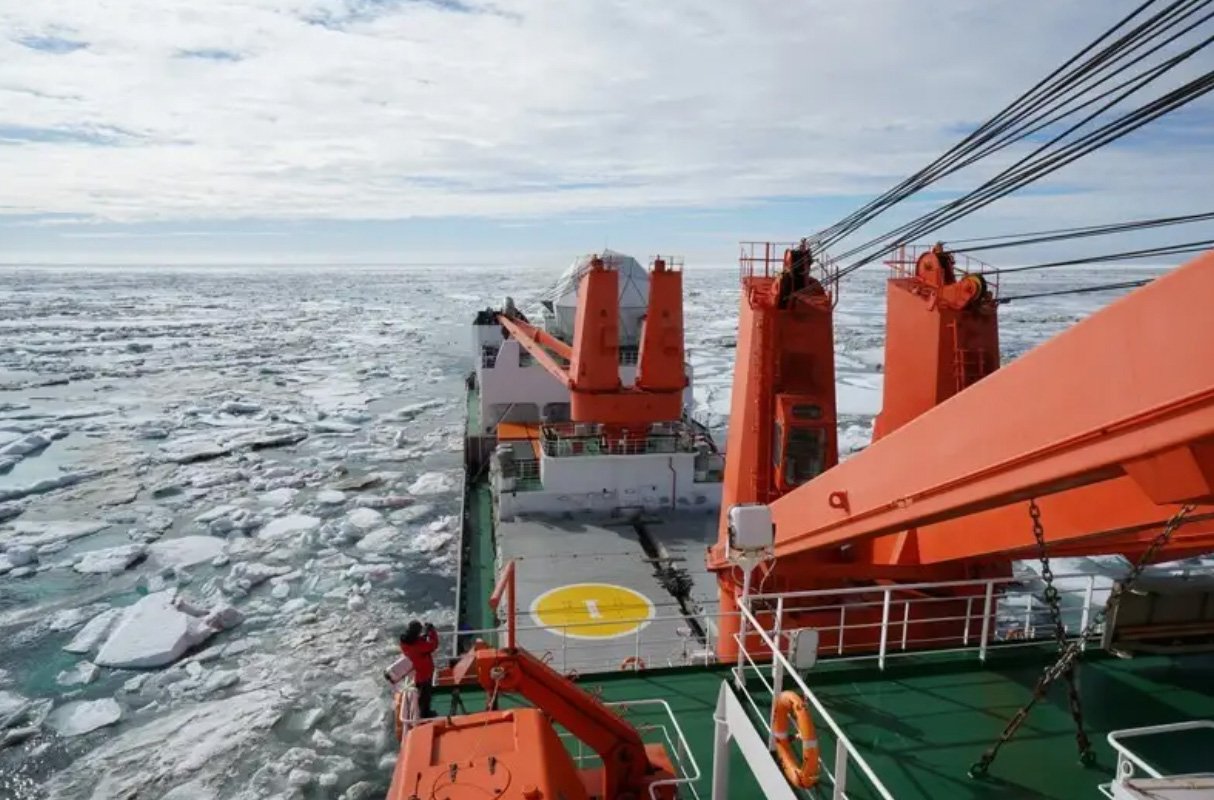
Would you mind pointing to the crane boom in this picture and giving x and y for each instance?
(1127, 396)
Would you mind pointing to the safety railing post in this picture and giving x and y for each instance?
(777, 671)
(905, 622)
(1086, 613)
(636, 649)
(742, 623)
(884, 630)
(986, 620)
(1028, 618)
(842, 625)
(840, 790)
(965, 635)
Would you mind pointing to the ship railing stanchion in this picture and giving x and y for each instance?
(969, 612)
(745, 603)
(884, 630)
(1028, 618)
(777, 672)
(842, 624)
(720, 749)
(1087, 610)
(905, 621)
(986, 620)
(839, 792)
(636, 649)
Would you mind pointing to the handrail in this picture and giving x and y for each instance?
(779, 661)
(929, 585)
(506, 584)
(1127, 759)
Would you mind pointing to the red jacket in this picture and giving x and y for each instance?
(421, 653)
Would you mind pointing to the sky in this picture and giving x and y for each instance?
(451, 131)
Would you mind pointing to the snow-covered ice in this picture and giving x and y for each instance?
(94, 631)
(83, 716)
(151, 633)
(111, 560)
(288, 526)
(186, 551)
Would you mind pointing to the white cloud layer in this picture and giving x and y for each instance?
(136, 110)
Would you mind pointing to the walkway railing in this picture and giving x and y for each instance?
(686, 769)
(845, 755)
(1129, 762)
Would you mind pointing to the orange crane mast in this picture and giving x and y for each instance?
(1110, 424)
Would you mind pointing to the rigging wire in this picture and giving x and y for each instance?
(1031, 237)
(930, 173)
(979, 143)
(1163, 250)
(1087, 231)
(1107, 287)
(1027, 170)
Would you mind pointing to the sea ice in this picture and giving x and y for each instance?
(278, 498)
(432, 483)
(153, 632)
(379, 540)
(83, 673)
(110, 561)
(330, 497)
(186, 551)
(361, 520)
(82, 716)
(91, 634)
(188, 744)
(288, 526)
(36, 533)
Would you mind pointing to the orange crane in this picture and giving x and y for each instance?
(592, 364)
(1110, 426)
(516, 754)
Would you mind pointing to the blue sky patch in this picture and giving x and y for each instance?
(51, 44)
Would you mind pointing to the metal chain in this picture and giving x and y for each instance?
(1074, 702)
(1065, 664)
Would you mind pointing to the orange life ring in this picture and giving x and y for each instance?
(802, 774)
(398, 701)
(632, 663)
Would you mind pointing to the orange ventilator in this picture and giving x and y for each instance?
(802, 772)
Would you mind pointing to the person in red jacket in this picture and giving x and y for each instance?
(418, 645)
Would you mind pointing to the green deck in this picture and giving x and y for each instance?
(479, 570)
(922, 722)
(926, 718)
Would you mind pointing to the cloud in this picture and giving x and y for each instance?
(162, 110)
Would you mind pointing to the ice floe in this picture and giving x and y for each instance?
(97, 628)
(153, 632)
(186, 551)
(82, 716)
(111, 560)
(289, 525)
(429, 483)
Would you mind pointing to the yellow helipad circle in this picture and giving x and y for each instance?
(592, 610)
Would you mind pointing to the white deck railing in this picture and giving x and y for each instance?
(686, 769)
(1129, 762)
(845, 755)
